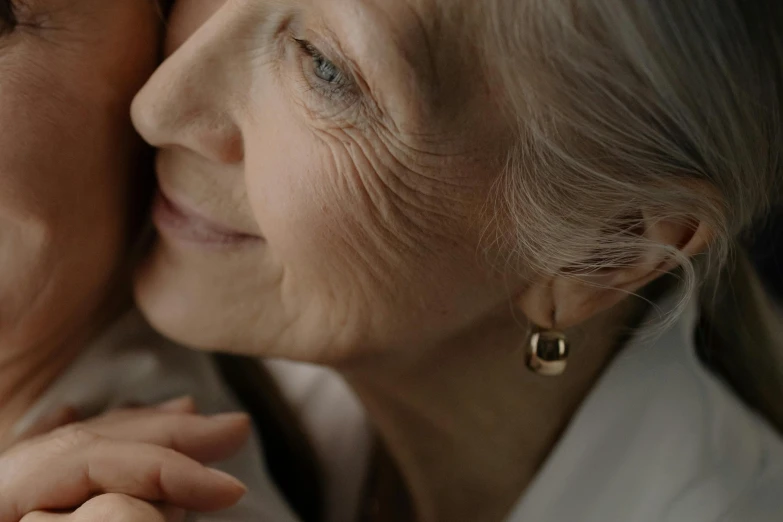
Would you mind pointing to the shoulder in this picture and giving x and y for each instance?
(762, 501)
(661, 439)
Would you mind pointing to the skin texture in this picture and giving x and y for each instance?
(347, 195)
(115, 465)
(68, 157)
(68, 154)
(357, 203)
(331, 206)
(68, 72)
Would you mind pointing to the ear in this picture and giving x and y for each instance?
(562, 301)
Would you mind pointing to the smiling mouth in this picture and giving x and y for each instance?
(182, 223)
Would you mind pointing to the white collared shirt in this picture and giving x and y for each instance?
(659, 439)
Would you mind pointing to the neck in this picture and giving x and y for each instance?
(26, 373)
(466, 423)
(28, 370)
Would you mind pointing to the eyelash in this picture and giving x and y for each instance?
(339, 89)
(15, 14)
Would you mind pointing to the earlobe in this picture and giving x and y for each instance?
(537, 302)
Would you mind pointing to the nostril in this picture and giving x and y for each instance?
(233, 151)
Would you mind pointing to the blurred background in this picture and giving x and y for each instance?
(766, 249)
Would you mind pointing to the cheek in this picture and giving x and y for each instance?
(309, 200)
(354, 248)
(296, 196)
(60, 203)
(46, 161)
(323, 193)
(67, 153)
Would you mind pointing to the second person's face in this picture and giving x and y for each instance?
(68, 154)
(323, 169)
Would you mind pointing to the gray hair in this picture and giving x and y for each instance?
(672, 107)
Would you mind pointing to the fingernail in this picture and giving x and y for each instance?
(185, 403)
(223, 476)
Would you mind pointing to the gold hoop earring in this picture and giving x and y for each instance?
(547, 352)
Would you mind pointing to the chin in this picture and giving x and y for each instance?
(170, 322)
(193, 299)
(176, 309)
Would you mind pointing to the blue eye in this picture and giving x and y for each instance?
(323, 77)
(323, 68)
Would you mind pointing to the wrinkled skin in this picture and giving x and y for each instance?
(340, 207)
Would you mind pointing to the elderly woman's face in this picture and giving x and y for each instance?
(68, 72)
(323, 172)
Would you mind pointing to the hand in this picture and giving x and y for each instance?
(112, 507)
(124, 457)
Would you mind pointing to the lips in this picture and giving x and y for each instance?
(180, 222)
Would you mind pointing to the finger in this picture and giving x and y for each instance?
(123, 508)
(206, 439)
(179, 405)
(45, 516)
(184, 404)
(166, 514)
(72, 473)
(69, 414)
(114, 508)
(57, 419)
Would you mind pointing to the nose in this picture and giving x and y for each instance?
(191, 100)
